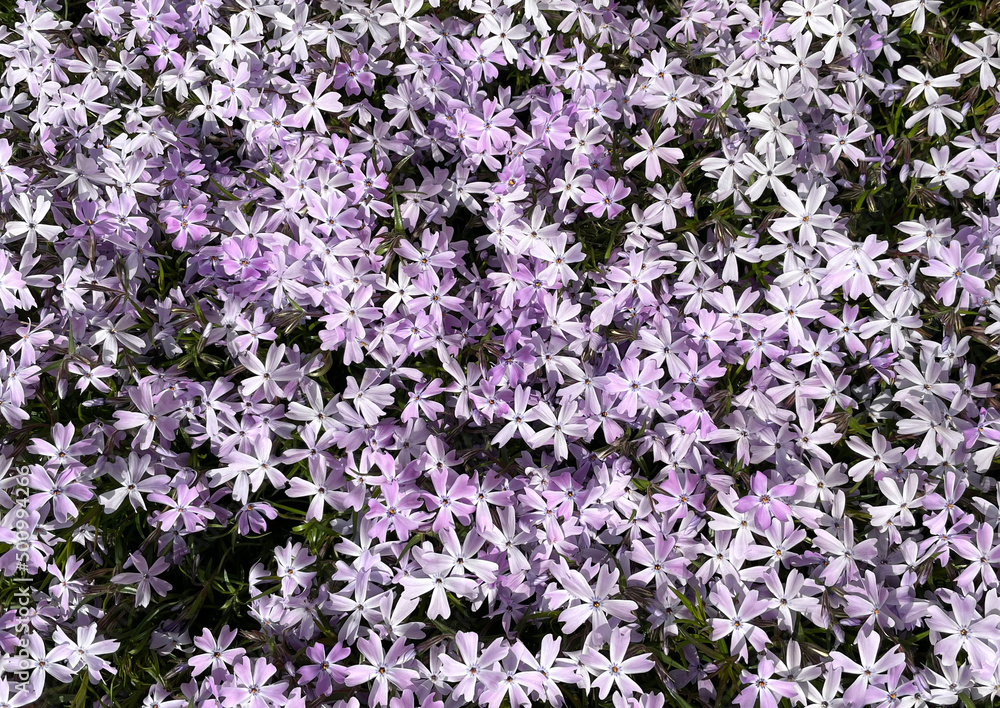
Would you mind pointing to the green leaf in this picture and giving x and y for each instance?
(397, 214)
(688, 604)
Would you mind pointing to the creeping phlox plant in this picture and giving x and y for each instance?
(499, 353)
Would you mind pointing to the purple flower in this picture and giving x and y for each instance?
(252, 688)
(144, 578)
(764, 689)
(594, 604)
(327, 668)
(604, 197)
(957, 271)
(738, 623)
(84, 651)
(153, 417)
(613, 671)
(217, 654)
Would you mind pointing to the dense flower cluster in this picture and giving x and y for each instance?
(469, 352)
